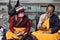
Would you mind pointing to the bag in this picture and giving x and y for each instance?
(28, 36)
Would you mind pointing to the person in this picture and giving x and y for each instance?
(1, 32)
(48, 25)
(19, 24)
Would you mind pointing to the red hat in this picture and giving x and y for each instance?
(20, 9)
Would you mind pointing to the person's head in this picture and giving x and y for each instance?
(50, 8)
(1, 27)
(20, 11)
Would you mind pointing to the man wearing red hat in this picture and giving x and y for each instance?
(19, 24)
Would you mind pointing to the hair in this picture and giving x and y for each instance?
(51, 5)
(0, 27)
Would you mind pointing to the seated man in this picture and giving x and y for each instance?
(19, 25)
(48, 25)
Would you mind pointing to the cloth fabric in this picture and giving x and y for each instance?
(54, 22)
(10, 35)
(41, 36)
(25, 23)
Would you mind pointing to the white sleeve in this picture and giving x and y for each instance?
(40, 20)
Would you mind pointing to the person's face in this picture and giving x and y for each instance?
(50, 10)
(21, 14)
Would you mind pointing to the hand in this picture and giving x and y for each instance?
(47, 32)
(16, 32)
(43, 28)
(19, 33)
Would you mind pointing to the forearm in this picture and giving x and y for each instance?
(11, 27)
(28, 26)
(54, 30)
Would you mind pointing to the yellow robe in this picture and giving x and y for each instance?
(10, 35)
(40, 36)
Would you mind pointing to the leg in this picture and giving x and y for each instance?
(10, 35)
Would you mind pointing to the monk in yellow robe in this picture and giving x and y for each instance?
(48, 25)
(19, 25)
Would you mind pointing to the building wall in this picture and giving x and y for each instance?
(4, 15)
(4, 18)
(39, 1)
